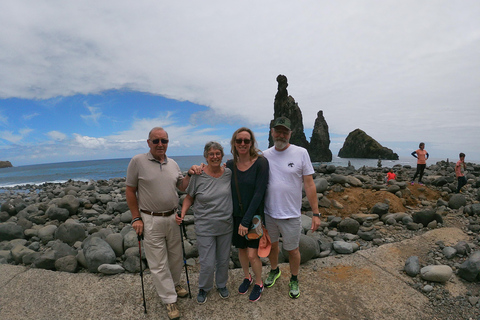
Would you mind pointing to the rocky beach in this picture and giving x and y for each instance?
(426, 236)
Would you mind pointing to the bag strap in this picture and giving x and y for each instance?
(236, 186)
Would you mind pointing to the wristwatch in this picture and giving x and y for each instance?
(316, 215)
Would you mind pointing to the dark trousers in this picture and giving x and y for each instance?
(461, 182)
(420, 169)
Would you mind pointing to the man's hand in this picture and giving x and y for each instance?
(315, 223)
(138, 227)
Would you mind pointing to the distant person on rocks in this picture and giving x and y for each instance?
(251, 171)
(211, 197)
(460, 168)
(422, 155)
(289, 165)
(390, 175)
(152, 179)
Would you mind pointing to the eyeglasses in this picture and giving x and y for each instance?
(239, 141)
(156, 141)
(214, 154)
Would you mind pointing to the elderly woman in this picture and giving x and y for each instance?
(250, 169)
(211, 196)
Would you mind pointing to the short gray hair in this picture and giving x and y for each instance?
(156, 129)
(212, 145)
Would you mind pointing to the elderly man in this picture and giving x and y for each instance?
(152, 179)
(290, 165)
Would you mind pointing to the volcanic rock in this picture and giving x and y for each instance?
(358, 144)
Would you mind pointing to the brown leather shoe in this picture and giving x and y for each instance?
(172, 311)
(181, 292)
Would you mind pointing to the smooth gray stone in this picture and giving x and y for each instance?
(110, 269)
(67, 264)
(342, 247)
(115, 240)
(412, 266)
(449, 252)
(436, 273)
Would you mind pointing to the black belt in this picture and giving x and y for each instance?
(160, 214)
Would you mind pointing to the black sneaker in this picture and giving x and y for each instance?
(223, 292)
(202, 296)
(245, 285)
(256, 293)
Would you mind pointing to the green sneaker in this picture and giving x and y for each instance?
(272, 277)
(294, 292)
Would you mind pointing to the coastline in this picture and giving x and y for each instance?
(93, 170)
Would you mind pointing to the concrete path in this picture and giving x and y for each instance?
(369, 284)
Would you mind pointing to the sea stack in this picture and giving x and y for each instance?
(360, 145)
(285, 105)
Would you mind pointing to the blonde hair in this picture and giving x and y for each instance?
(254, 151)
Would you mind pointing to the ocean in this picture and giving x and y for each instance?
(117, 168)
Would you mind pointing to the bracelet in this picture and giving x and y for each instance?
(136, 219)
(316, 215)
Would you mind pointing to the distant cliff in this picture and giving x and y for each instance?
(5, 164)
(360, 145)
(285, 105)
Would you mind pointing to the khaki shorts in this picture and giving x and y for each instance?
(289, 229)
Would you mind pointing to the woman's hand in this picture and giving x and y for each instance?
(179, 218)
(242, 230)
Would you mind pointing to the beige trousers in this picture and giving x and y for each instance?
(163, 249)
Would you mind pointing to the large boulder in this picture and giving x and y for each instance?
(70, 203)
(70, 233)
(380, 208)
(98, 252)
(56, 213)
(10, 231)
(358, 144)
(457, 201)
(349, 225)
(426, 216)
(308, 247)
(470, 268)
(321, 184)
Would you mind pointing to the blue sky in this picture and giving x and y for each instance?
(88, 80)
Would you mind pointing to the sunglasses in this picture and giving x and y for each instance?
(239, 141)
(156, 141)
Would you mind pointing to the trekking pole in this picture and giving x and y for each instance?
(182, 232)
(140, 237)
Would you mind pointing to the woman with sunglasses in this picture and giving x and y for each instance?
(251, 170)
(211, 196)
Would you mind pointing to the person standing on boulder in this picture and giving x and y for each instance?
(152, 179)
(422, 155)
(289, 166)
(459, 172)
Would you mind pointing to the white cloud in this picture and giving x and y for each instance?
(15, 138)
(93, 116)
(57, 135)
(90, 142)
(30, 116)
(399, 70)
